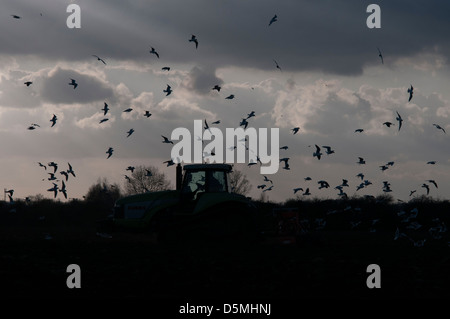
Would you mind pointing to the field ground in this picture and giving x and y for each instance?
(323, 264)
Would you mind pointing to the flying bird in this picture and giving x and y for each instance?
(153, 51)
(317, 153)
(169, 163)
(166, 140)
(63, 190)
(54, 189)
(433, 182)
(52, 177)
(274, 19)
(276, 64)
(54, 165)
(53, 120)
(306, 193)
(286, 164)
(109, 152)
(329, 150)
(42, 165)
(131, 131)
(359, 130)
(74, 83)
(16, 16)
(168, 90)
(400, 121)
(99, 59)
(70, 170)
(410, 91)
(431, 162)
(380, 55)
(65, 174)
(105, 109)
(194, 39)
(216, 122)
(165, 68)
(217, 88)
(361, 160)
(244, 123)
(298, 189)
(295, 130)
(103, 120)
(426, 187)
(266, 179)
(439, 127)
(251, 114)
(130, 168)
(230, 97)
(28, 83)
(147, 114)
(388, 124)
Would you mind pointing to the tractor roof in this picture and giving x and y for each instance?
(216, 167)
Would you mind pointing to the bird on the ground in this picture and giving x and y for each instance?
(380, 55)
(166, 140)
(295, 130)
(147, 114)
(317, 153)
(230, 97)
(99, 59)
(168, 90)
(165, 68)
(274, 19)
(153, 51)
(74, 83)
(439, 127)
(28, 83)
(410, 91)
(194, 39)
(53, 120)
(130, 131)
(105, 109)
(54, 189)
(109, 152)
(400, 121)
(216, 87)
(361, 160)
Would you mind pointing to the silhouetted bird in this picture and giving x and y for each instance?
(154, 52)
(128, 110)
(230, 97)
(109, 152)
(165, 68)
(388, 124)
(359, 130)
(274, 19)
(400, 121)
(439, 127)
(105, 109)
(194, 39)
(74, 83)
(277, 65)
(166, 140)
(131, 131)
(410, 91)
(28, 83)
(380, 55)
(103, 120)
(99, 59)
(168, 90)
(147, 114)
(16, 16)
(70, 170)
(295, 130)
(217, 88)
(361, 160)
(317, 153)
(53, 120)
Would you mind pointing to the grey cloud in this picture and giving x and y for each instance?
(202, 79)
(56, 88)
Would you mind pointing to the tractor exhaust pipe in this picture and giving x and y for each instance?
(179, 177)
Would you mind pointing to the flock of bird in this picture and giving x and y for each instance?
(317, 153)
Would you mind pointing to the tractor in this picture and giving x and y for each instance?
(202, 207)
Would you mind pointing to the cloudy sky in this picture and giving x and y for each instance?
(331, 83)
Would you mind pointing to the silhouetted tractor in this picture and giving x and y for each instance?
(202, 208)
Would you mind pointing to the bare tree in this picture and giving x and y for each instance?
(145, 179)
(239, 183)
(103, 193)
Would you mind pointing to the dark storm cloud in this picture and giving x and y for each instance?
(56, 88)
(328, 36)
